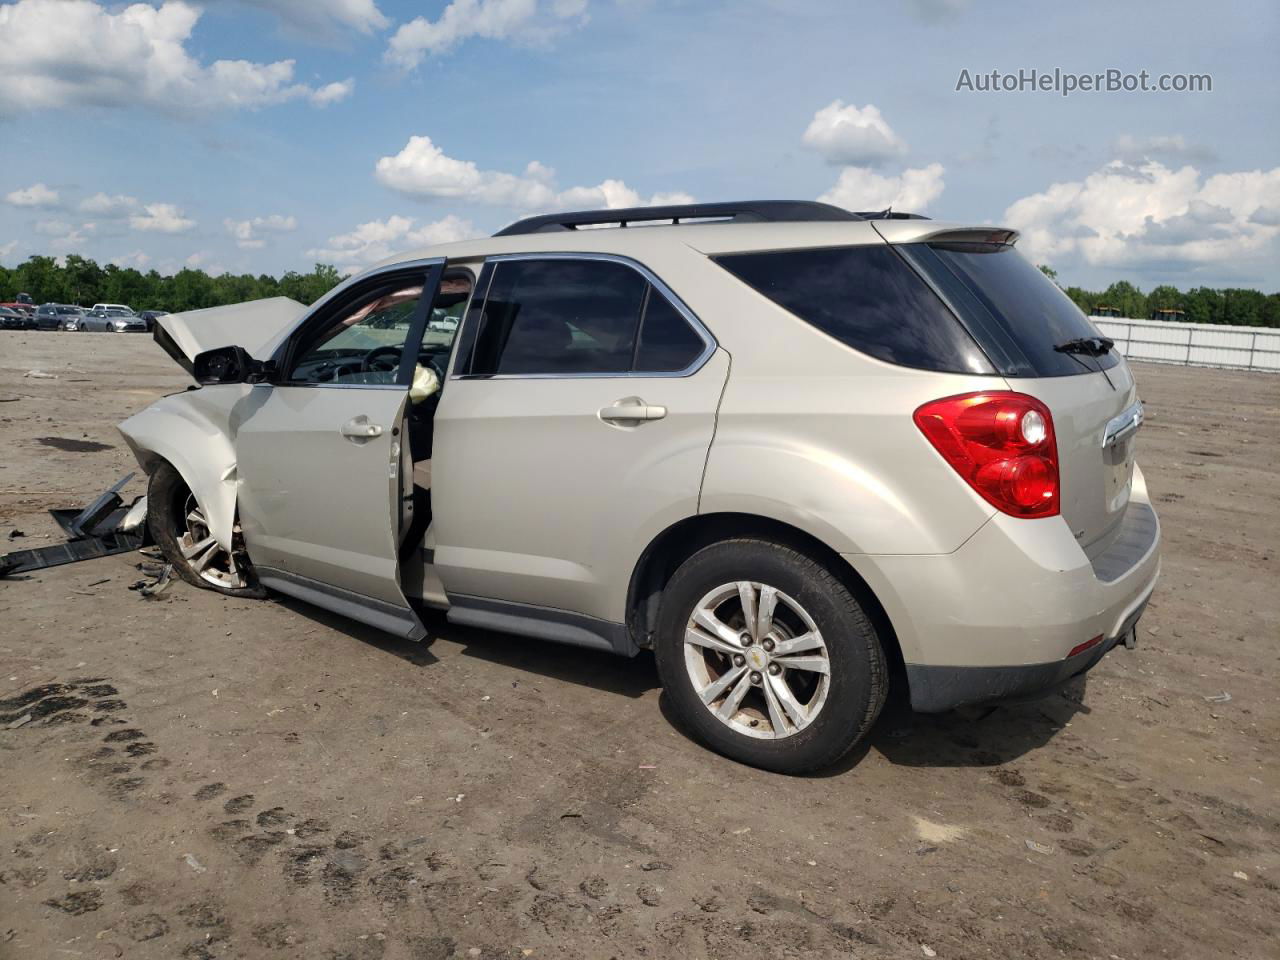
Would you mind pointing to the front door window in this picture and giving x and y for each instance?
(364, 343)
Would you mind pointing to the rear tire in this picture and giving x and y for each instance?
(178, 528)
(809, 681)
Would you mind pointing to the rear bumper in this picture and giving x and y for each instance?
(938, 689)
(999, 617)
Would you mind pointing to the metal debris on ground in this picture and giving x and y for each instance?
(159, 576)
(105, 527)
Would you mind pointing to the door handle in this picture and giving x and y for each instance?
(632, 410)
(359, 428)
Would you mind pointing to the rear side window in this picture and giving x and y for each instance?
(559, 317)
(868, 298)
(1017, 313)
(667, 343)
(569, 316)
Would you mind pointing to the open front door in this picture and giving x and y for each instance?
(319, 452)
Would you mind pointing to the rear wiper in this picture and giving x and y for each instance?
(1089, 346)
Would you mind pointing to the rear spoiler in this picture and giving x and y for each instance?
(926, 231)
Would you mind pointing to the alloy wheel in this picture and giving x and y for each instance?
(757, 660)
(208, 558)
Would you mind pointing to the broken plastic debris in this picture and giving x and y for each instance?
(40, 375)
(22, 720)
(1222, 697)
(1039, 847)
(194, 864)
(928, 951)
(1240, 875)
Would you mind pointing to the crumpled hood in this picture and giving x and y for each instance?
(257, 325)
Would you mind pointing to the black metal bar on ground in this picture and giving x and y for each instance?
(24, 561)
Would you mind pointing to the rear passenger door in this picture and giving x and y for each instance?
(573, 429)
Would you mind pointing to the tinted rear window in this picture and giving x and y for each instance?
(868, 298)
(1015, 311)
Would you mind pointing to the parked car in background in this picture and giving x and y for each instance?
(111, 320)
(111, 306)
(11, 319)
(123, 321)
(149, 317)
(22, 303)
(58, 316)
(98, 321)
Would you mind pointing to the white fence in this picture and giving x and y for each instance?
(1194, 344)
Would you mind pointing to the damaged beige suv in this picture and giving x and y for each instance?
(799, 453)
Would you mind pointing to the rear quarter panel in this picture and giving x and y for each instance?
(815, 434)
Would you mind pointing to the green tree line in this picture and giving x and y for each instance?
(82, 281)
(1236, 306)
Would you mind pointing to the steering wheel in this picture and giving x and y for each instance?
(381, 359)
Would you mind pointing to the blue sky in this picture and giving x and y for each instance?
(167, 134)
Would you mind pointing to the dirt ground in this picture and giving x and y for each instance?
(207, 777)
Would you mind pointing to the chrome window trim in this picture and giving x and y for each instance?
(710, 344)
(289, 385)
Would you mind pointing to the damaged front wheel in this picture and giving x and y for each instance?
(181, 531)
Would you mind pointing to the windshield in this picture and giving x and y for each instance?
(68, 310)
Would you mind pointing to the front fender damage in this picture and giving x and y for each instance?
(190, 431)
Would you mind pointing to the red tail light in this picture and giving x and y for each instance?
(1002, 443)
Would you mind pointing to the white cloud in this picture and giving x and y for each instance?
(379, 239)
(333, 92)
(854, 136)
(521, 21)
(161, 218)
(111, 207)
(1148, 214)
(36, 195)
(860, 188)
(248, 233)
(7, 249)
(325, 16)
(137, 259)
(1174, 148)
(64, 235)
(80, 53)
(613, 195)
(422, 169)
(200, 260)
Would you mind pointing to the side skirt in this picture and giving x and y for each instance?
(400, 621)
(543, 623)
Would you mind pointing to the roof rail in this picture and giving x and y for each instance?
(750, 211)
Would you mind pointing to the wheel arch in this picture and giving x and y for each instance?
(169, 432)
(681, 540)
